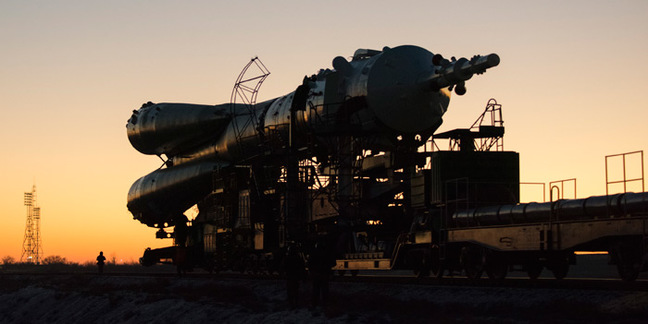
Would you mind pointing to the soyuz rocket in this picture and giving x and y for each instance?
(399, 92)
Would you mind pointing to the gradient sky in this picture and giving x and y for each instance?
(573, 83)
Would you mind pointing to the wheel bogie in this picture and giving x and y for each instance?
(559, 267)
(630, 257)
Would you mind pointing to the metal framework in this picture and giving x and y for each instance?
(560, 186)
(32, 244)
(246, 89)
(485, 134)
(625, 179)
(245, 92)
(490, 122)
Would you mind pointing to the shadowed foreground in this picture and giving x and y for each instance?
(95, 299)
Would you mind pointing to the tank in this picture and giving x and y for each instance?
(608, 206)
(634, 203)
(570, 208)
(489, 216)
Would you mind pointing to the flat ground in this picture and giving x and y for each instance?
(79, 298)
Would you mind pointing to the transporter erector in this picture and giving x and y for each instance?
(343, 160)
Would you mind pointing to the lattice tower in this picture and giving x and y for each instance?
(32, 250)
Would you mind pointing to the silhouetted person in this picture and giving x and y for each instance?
(181, 230)
(320, 262)
(295, 269)
(181, 260)
(101, 259)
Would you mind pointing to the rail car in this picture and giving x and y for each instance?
(345, 160)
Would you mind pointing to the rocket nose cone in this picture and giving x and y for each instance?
(171, 128)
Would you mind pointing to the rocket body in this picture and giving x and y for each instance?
(401, 91)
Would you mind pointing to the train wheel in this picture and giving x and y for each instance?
(560, 267)
(422, 269)
(436, 266)
(437, 271)
(354, 273)
(629, 272)
(628, 260)
(533, 270)
(341, 273)
(472, 261)
(496, 266)
(497, 270)
(420, 273)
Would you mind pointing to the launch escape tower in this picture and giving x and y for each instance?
(32, 249)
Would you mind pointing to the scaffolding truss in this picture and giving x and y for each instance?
(32, 250)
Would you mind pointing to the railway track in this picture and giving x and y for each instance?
(610, 284)
(233, 297)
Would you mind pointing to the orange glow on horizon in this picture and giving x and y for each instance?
(73, 73)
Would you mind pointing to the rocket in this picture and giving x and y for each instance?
(393, 94)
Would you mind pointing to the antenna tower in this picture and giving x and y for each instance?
(32, 245)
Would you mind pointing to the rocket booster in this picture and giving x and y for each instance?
(401, 91)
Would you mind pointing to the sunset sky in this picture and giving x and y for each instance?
(573, 84)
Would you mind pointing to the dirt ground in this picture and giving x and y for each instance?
(105, 299)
